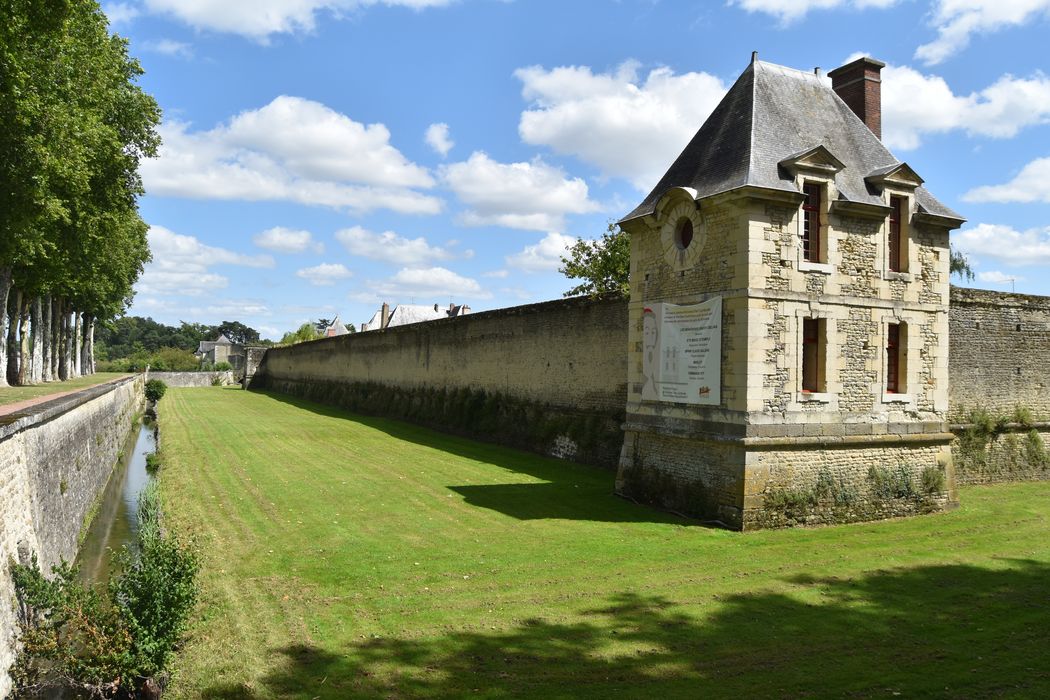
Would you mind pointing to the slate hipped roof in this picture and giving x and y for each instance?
(770, 114)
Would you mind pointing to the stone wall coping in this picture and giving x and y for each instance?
(465, 319)
(989, 297)
(18, 421)
(848, 440)
(811, 434)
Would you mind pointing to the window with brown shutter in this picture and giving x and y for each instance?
(894, 359)
(811, 221)
(812, 355)
(896, 262)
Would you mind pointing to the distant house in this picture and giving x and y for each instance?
(404, 314)
(222, 349)
(331, 330)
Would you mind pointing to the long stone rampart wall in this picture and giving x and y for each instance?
(55, 460)
(1000, 352)
(193, 379)
(548, 377)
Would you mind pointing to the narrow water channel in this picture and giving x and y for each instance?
(116, 522)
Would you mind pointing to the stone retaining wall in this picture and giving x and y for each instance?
(55, 460)
(193, 379)
(547, 377)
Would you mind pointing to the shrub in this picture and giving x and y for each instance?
(1035, 450)
(156, 589)
(891, 483)
(155, 389)
(933, 480)
(1023, 416)
(152, 463)
(78, 641)
(222, 367)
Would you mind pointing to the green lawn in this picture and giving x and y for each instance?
(21, 393)
(358, 557)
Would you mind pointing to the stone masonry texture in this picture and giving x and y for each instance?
(55, 460)
(548, 377)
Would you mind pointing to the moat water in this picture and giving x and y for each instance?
(116, 523)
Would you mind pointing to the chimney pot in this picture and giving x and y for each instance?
(859, 85)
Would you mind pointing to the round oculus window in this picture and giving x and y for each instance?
(683, 234)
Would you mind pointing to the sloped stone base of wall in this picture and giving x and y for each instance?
(1020, 453)
(589, 437)
(834, 484)
(698, 479)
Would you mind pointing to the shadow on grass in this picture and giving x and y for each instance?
(572, 492)
(947, 631)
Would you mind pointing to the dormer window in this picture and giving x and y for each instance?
(811, 211)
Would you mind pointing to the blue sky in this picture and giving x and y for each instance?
(324, 156)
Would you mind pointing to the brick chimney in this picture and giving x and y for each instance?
(859, 84)
(384, 315)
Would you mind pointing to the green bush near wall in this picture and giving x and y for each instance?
(999, 447)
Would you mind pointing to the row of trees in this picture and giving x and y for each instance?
(74, 126)
(131, 335)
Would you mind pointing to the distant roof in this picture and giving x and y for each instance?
(769, 115)
(404, 314)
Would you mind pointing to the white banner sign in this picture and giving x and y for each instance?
(682, 353)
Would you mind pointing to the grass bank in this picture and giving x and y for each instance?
(14, 394)
(360, 557)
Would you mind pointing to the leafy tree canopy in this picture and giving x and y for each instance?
(602, 265)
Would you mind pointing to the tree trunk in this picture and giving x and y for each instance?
(77, 330)
(25, 376)
(87, 361)
(45, 339)
(37, 341)
(63, 342)
(14, 304)
(56, 339)
(5, 289)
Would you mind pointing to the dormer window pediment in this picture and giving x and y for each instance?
(816, 160)
(898, 175)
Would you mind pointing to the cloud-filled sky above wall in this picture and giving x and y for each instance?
(323, 156)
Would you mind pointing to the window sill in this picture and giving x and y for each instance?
(822, 268)
(813, 397)
(896, 398)
(898, 276)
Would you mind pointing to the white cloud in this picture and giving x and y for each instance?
(958, 20)
(915, 104)
(286, 240)
(390, 247)
(259, 19)
(498, 274)
(437, 137)
(120, 12)
(325, 274)
(290, 150)
(169, 47)
(997, 277)
(790, 10)
(422, 284)
(181, 265)
(1032, 184)
(544, 256)
(626, 127)
(533, 196)
(1003, 243)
